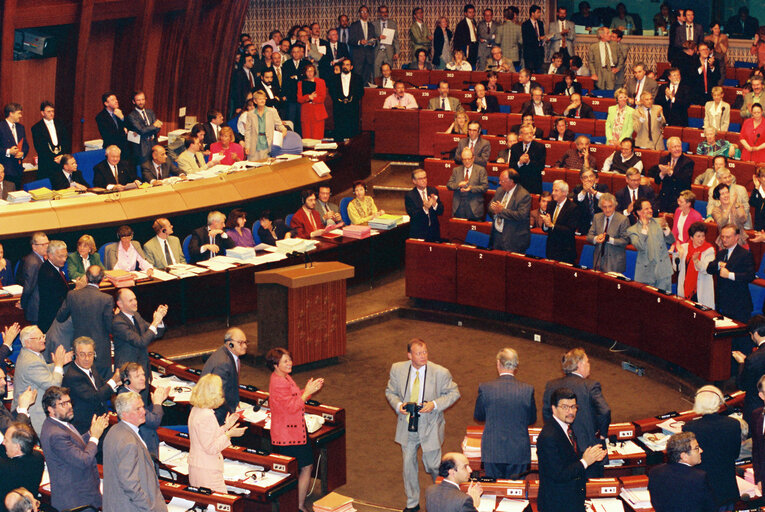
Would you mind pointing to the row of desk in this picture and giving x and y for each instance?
(661, 325)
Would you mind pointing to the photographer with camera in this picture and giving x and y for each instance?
(419, 392)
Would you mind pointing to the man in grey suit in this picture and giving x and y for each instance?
(27, 277)
(70, 456)
(419, 34)
(429, 386)
(639, 83)
(225, 364)
(132, 335)
(130, 481)
(487, 37)
(469, 182)
(508, 408)
(562, 34)
(594, 415)
(608, 232)
(164, 249)
(135, 380)
(447, 496)
(604, 58)
(92, 312)
(649, 122)
(363, 38)
(481, 147)
(387, 49)
(443, 101)
(145, 124)
(157, 168)
(256, 147)
(509, 37)
(32, 371)
(330, 212)
(510, 210)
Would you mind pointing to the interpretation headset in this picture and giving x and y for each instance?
(125, 375)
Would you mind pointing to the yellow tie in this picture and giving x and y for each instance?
(415, 396)
(555, 215)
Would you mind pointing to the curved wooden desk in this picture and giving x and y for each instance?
(664, 326)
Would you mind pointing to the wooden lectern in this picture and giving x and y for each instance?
(303, 310)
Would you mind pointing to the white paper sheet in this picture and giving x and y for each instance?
(508, 505)
(488, 502)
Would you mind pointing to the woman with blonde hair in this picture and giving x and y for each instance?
(208, 439)
(460, 124)
(78, 262)
(619, 120)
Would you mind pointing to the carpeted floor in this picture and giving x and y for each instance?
(358, 383)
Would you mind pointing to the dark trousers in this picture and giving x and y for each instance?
(292, 113)
(500, 470)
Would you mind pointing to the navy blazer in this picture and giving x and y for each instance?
(112, 130)
(222, 364)
(623, 200)
(750, 373)
(676, 487)
(508, 408)
(733, 297)
(423, 225)
(561, 241)
(13, 167)
(561, 474)
(87, 399)
(671, 186)
(758, 445)
(531, 173)
(52, 289)
(103, 176)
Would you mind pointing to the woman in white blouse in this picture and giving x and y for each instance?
(717, 112)
(459, 63)
(127, 253)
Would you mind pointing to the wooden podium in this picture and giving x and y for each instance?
(303, 310)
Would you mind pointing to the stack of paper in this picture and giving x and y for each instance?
(636, 497)
(120, 278)
(334, 502)
(321, 169)
(163, 276)
(92, 145)
(508, 505)
(747, 488)
(14, 289)
(471, 447)
(385, 222)
(183, 270)
(325, 145)
(488, 503)
(671, 426)
(218, 263)
(41, 194)
(655, 441)
(241, 253)
(355, 231)
(65, 193)
(606, 505)
(295, 245)
(19, 196)
(721, 322)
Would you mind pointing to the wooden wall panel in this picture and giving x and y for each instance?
(34, 81)
(98, 72)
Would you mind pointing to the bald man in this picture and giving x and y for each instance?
(225, 363)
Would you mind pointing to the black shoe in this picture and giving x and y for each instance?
(412, 509)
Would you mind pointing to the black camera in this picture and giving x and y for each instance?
(414, 415)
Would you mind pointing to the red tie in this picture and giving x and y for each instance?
(705, 77)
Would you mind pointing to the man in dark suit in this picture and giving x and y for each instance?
(144, 123)
(719, 437)
(51, 140)
(758, 435)
(674, 98)
(27, 276)
(344, 32)
(26, 399)
(447, 495)
(22, 465)
(561, 224)
(207, 242)
(533, 32)
(214, 122)
(678, 486)
(507, 406)
(67, 176)
(750, 371)
(510, 212)
(735, 267)
(689, 31)
(594, 415)
(586, 197)
(242, 81)
(626, 197)
(577, 109)
(158, 168)
(527, 156)
(423, 207)
(525, 84)
(742, 26)
(466, 35)
(88, 390)
(346, 90)
(480, 147)
(483, 103)
(132, 334)
(225, 363)
(705, 75)
(111, 122)
(70, 457)
(336, 52)
(130, 478)
(135, 380)
(536, 105)
(274, 95)
(5, 186)
(52, 286)
(114, 173)
(363, 40)
(674, 173)
(14, 145)
(469, 182)
(293, 71)
(563, 459)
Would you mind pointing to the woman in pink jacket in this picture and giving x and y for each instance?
(288, 433)
(208, 439)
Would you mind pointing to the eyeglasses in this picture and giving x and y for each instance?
(64, 402)
(568, 407)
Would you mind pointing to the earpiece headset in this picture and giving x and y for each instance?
(230, 344)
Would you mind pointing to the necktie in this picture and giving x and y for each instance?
(690, 32)
(536, 28)
(249, 77)
(706, 89)
(364, 29)
(650, 135)
(69, 178)
(525, 148)
(472, 145)
(555, 214)
(61, 273)
(90, 374)
(634, 196)
(603, 245)
(637, 90)
(424, 194)
(135, 323)
(443, 103)
(168, 256)
(572, 438)
(159, 172)
(116, 176)
(467, 173)
(13, 131)
(415, 395)
(114, 118)
(345, 35)
(311, 220)
(334, 51)
(145, 118)
(384, 24)
(725, 255)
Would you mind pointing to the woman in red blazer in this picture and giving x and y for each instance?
(311, 94)
(288, 432)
